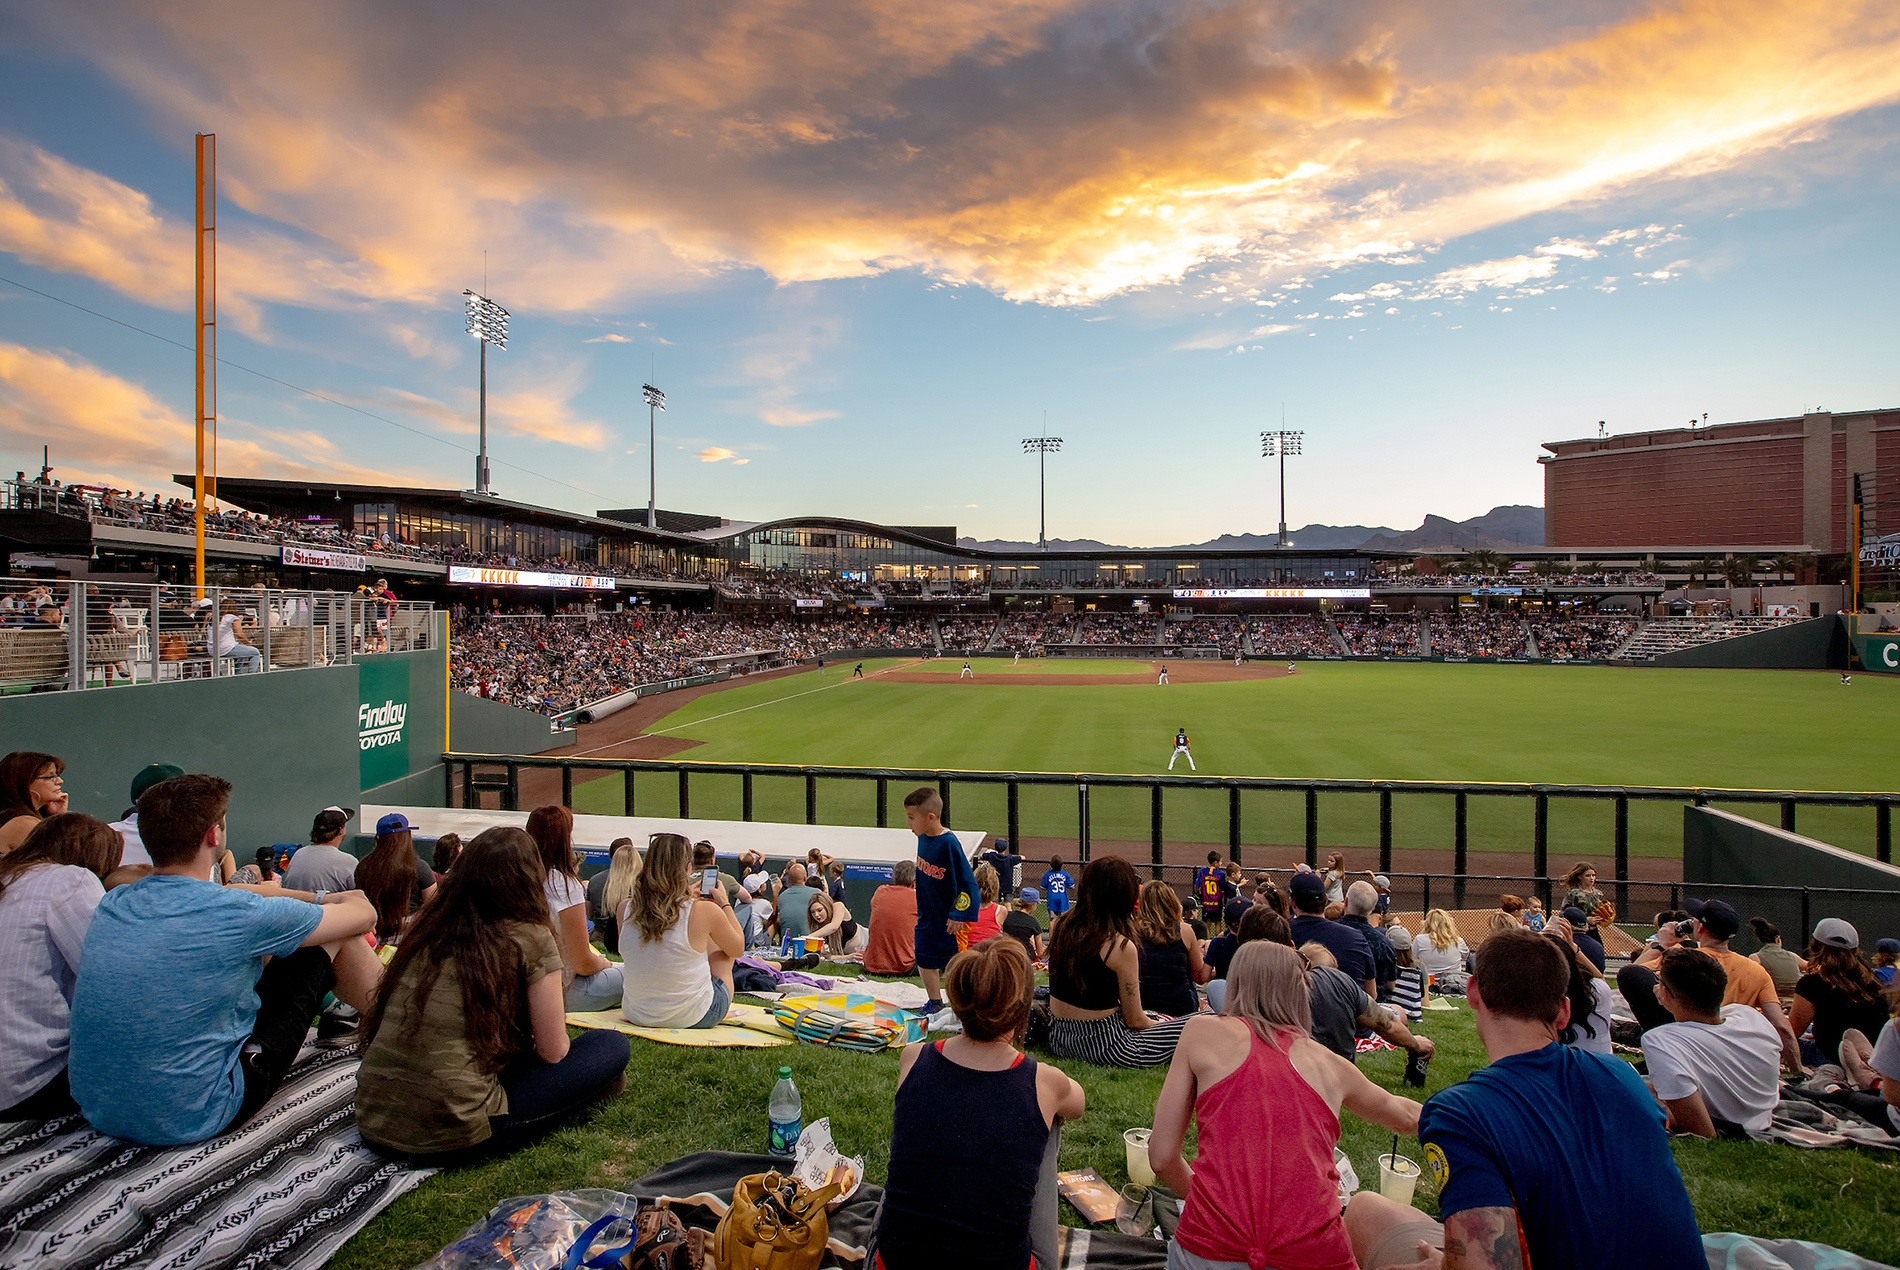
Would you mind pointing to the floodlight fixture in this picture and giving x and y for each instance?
(1042, 447)
(1280, 444)
(487, 322)
(656, 402)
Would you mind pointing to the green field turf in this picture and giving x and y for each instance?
(1554, 724)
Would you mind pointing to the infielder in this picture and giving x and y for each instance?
(966, 672)
(1164, 675)
(1181, 750)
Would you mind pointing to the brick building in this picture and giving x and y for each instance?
(1765, 485)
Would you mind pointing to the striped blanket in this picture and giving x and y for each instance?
(283, 1191)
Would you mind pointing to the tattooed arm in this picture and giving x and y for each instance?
(1483, 1239)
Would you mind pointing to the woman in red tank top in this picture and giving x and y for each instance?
(1263, 1190)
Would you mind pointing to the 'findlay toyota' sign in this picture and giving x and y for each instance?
(341, 561)
(382, 719)
(527, 577)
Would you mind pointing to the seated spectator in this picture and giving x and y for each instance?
(1095, 976)
(1347, 945)
(263, 868)
(1716, 922)
(1334, 910)
(1020, 922)
(758, 884)
(1500, 921)
(1717, 1068)
(988, 922)
(794, 904)
(1672, 927)
(1258, 922)
(394, 877)
(834, 885)
(1439, 953)
(1168, 954)
(1340, 1008)
(622, 871)
(466, 1046)
(49, 886)
(1005, 1106)
(832, 922)
(1783, 966)
(1266, 1100)
(1886, 958)
(891, 948)
(1362, 900)
(1487, 1145)
(705, 856)
(193, 999)
(677, 944)
(31, 789)
(1267, 895)
(1408, 990)
(593, 982)
(1584, 935)
(128, 824)
(1590, 994)
(447, 848)
(1843, 1002)
(1886, 1065)
(323, 866)
(1219, 953)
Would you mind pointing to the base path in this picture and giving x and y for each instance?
(1179, 672)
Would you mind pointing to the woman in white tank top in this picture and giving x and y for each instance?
(677, 944)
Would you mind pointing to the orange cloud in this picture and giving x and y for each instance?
(1057, 151)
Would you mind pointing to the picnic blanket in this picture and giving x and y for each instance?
(534, 1232)
(746, 1027)
(284, 1191)
(810, 1017)
(1823, 1122)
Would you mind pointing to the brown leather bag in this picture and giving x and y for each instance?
(171, 648)
(774, 1223)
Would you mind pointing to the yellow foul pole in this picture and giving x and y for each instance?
(207, 344)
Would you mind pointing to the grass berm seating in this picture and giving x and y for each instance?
(1474, 924)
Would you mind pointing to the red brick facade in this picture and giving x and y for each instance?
(1766, 484)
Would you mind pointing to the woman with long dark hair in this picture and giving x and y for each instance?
(677, 942)
(593, 982)
(394, 877)
(49, 888)
(30, 790)
(1842, 999)
(1095, 976)
(466, 1044)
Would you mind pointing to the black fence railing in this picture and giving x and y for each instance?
(1210, 811)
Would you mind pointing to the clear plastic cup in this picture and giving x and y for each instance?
(1398, 1177)
(1135, 1142)
(1135, 1210)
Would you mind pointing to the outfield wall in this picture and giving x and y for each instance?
(1720, 849)
(1819, 643)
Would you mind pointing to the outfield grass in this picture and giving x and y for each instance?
(680, 1100)
(1554, 724)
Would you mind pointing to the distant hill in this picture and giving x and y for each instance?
(1499, 529)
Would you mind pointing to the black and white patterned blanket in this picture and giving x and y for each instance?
(282, 1192)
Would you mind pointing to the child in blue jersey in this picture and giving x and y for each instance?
(947, 898)
(1056, 885)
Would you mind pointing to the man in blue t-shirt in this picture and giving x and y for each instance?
(1509, 1194)
(1347, 945)
(181, 1027)
(1056, 885)
(947, 898)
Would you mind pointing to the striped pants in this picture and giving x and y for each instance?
(1110, 1042)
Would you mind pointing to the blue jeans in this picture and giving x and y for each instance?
(540, 1093)
(245, 658)
(599, 991)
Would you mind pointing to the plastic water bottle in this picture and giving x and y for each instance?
(784, 1114)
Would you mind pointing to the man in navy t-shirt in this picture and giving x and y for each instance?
(1510, 1194)
(1347, 945)
(1056, 885)
(947, 898)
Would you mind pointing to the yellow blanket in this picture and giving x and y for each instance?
(746, 1027)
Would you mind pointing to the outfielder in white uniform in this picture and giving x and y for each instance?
(1181, 750)
(966, 672)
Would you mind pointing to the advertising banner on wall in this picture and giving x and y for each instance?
(527, 577)
(382, 719)
(808, 604)
(1880, 653)
(1273, 593)
(306, 558)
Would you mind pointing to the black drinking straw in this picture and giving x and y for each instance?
(1395, 1153)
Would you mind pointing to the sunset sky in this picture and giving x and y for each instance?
(865, 245)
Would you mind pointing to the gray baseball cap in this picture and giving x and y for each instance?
(1836, 932)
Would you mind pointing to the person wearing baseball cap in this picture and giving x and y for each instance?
(1886, 959)
(128, 824)
(1020, 922)
(324, 865)
(1843, 1001)
(1716, 922)
(1348, 946)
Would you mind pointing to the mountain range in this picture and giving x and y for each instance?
(1500, 529)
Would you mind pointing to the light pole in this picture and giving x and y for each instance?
(656, 402)
(1281, 444)
(487, 322)
(1042, 446)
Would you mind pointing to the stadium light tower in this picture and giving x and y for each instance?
(656, 402)
(487, 322)
(1280, 444)
(1042, 447)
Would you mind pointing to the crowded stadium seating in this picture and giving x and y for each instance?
(1380, 635)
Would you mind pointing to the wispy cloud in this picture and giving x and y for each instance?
(611, 337)
(715, 454)
(1057, 151)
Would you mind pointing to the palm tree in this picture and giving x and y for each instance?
(1700, 570)
(1783, 565)
(1484, 561)
(1740, 570)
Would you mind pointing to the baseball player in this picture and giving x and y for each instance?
(966, 672)
(1164, 674)
(1181, 750)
